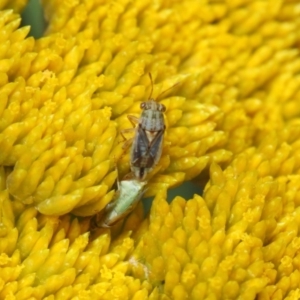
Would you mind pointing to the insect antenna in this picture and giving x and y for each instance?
(150, 76)
(163, 92)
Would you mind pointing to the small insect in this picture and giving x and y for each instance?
(148, 140)
(129, 192)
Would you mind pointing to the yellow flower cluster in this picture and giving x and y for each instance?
(65, 99)
(16, 5)
(44, 257)
(241, 240)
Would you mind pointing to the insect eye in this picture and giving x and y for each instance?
(143, 104)
(163, 108)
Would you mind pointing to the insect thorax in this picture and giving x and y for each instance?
(153, 105)
(152, 120)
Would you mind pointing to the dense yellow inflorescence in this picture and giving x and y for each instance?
(231, 69)
(46, 257)
(16, 5)
(241, 240)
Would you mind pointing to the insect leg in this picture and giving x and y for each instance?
(126, 131)
(133, 120)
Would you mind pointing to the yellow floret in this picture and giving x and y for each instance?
(243, 240)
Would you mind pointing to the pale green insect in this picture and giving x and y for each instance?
(129, 192)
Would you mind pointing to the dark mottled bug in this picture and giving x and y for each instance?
(148, 139)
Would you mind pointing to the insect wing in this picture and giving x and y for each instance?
(152, 119)
(140, 146)
(131, 192)
(156, 146)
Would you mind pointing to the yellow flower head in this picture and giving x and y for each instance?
(69, 98)
(232, 122)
